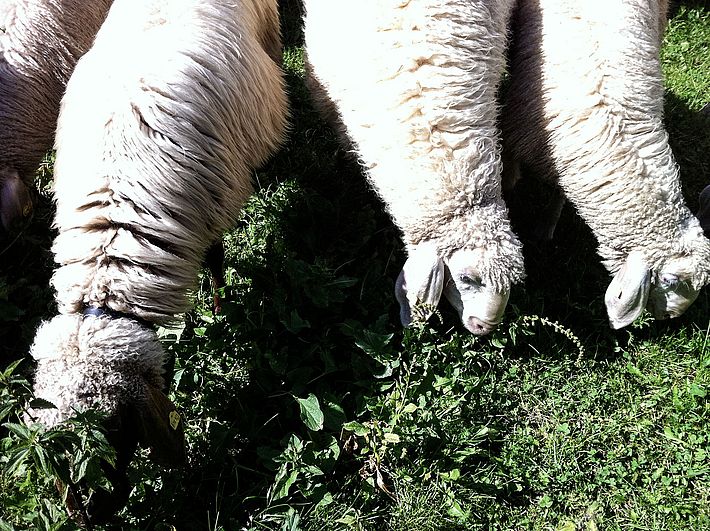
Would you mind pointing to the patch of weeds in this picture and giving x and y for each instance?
(624, 437)
(42, 470)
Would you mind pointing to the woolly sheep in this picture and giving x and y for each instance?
(161, 124)
(585, 107)
(40, 42)
(413, 85)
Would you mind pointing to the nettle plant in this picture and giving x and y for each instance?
(41, 469)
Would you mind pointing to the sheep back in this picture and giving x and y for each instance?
(162, 123)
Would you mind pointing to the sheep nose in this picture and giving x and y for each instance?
(478, 327)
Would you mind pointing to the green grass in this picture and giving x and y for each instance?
(307, 407)
(686, 57)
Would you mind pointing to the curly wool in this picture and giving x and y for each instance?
(585, 106)
(86, 361)
(418, 102)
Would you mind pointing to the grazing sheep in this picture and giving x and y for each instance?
(413, 85)
(161, 125)
(585, 108)
(40, 42)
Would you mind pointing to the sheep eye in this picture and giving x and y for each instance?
(668, 280)
(469, 280)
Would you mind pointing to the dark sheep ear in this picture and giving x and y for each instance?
(15, 198)
(161, 428)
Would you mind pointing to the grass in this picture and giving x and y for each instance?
(307, 407)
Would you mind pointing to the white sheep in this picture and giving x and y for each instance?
(413, 84)
(162, 122)
(585, 108)
(40, 42)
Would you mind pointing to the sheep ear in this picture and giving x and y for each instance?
(627, 294)
(15, 198)
(419, 285)
(704, 212)
(160, 427)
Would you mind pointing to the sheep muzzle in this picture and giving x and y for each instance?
(153, 423)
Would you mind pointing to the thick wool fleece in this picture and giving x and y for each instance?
(585, 106)
(40, 42)
(85, 361)
(413, 84)
(161, 125)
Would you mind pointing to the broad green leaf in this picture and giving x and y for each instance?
(41, 461)
(291, 521)
(311, 413)
(327, 499)
(16, 461)
(294, 323)
(80, 470)
(357, 428)
(6, 409)
(696, 390)
(283, 485)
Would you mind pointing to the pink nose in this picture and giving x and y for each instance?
(478, 327)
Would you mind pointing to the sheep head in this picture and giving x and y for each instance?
(15, 198)
(666, 290)
(116, 366)
(426, 275)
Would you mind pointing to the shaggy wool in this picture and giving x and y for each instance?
(40, 42)
(585, 109)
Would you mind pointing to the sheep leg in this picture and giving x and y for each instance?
(511, 173)
(214, 260)
(545, 230)
(74, 503)
(104, 505)
(704, 212)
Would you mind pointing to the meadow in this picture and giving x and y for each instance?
(307, 406)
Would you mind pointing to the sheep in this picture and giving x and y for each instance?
(40, 42)
(413, 86)
(584, 108)
(162, 122)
